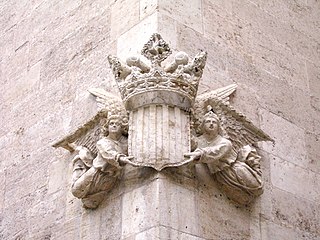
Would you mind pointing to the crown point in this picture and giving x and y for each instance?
(156, 49)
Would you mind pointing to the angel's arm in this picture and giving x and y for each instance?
(215, 152)
(211, 153)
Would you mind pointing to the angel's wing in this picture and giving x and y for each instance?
(86, 135)
(239, 129)
(108, 101)
(220, 94)
(89, 133)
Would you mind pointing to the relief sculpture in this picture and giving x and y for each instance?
(160, 122)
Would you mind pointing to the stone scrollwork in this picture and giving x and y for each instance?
(160, 122)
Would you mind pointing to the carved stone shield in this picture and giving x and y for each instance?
(159, 136)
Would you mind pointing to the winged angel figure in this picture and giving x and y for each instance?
(101, 145)
(223, 140)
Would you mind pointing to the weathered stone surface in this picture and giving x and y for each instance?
(124, 15)
(189, 14)
(147, 7)
(287, 136)
(164, 233)
(140, 209)
(300, 214)
(136, 37)
(287, 176)
(269, 48)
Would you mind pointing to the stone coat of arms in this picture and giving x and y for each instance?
(160, 122)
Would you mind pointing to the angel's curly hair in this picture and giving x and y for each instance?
(211, 114)
(123, 121)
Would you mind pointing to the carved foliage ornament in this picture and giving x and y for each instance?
(160, 122)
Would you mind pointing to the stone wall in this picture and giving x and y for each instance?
(53, 51)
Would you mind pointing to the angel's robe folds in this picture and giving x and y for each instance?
(90, 182)
(109, 152)
(238, 172)
(217, 154)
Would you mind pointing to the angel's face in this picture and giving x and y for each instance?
(114, 126)
(211, 125)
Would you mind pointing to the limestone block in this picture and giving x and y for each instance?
(73, 208)
(2, 187)
(69, 230)
(278, 60)
(95, 24)
(188, 13)
(17, 63)
(167, 28)
(177, 207)
(221, 26)
(294, 179)
(74, 47)
(162, 232)
(147, 7)
(131, 42)
(314, 84)
(90, 224)
(290, 142)
(217, 223)
(110, 213)
(284, 100)
(217, 56)
(218, 217)
(300, 214)
(315, 121)
(312, 147)
(270, 230)
(124, 15)
(287, 101)
(262, 21)
(300, 14)
(6, 146)
(49, 211)
(26, 84)
(7, 44)
(57, 176)
(94, 68)
(14, 219)
(25, 179)
(140, 209)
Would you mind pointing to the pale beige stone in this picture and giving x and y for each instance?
(162, 232)
(140, 209)
(301, 214)
(57, 176)
(312, 146)
(188, 13)
(124, 15)
(131, 42)
(177, 207)
(2, 188)
(300, 14)
(147, 7)
(290, 142)
(294, 179)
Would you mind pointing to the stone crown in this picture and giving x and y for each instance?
(143, 83)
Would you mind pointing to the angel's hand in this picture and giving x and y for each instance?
(193, 156)
(123, 160)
